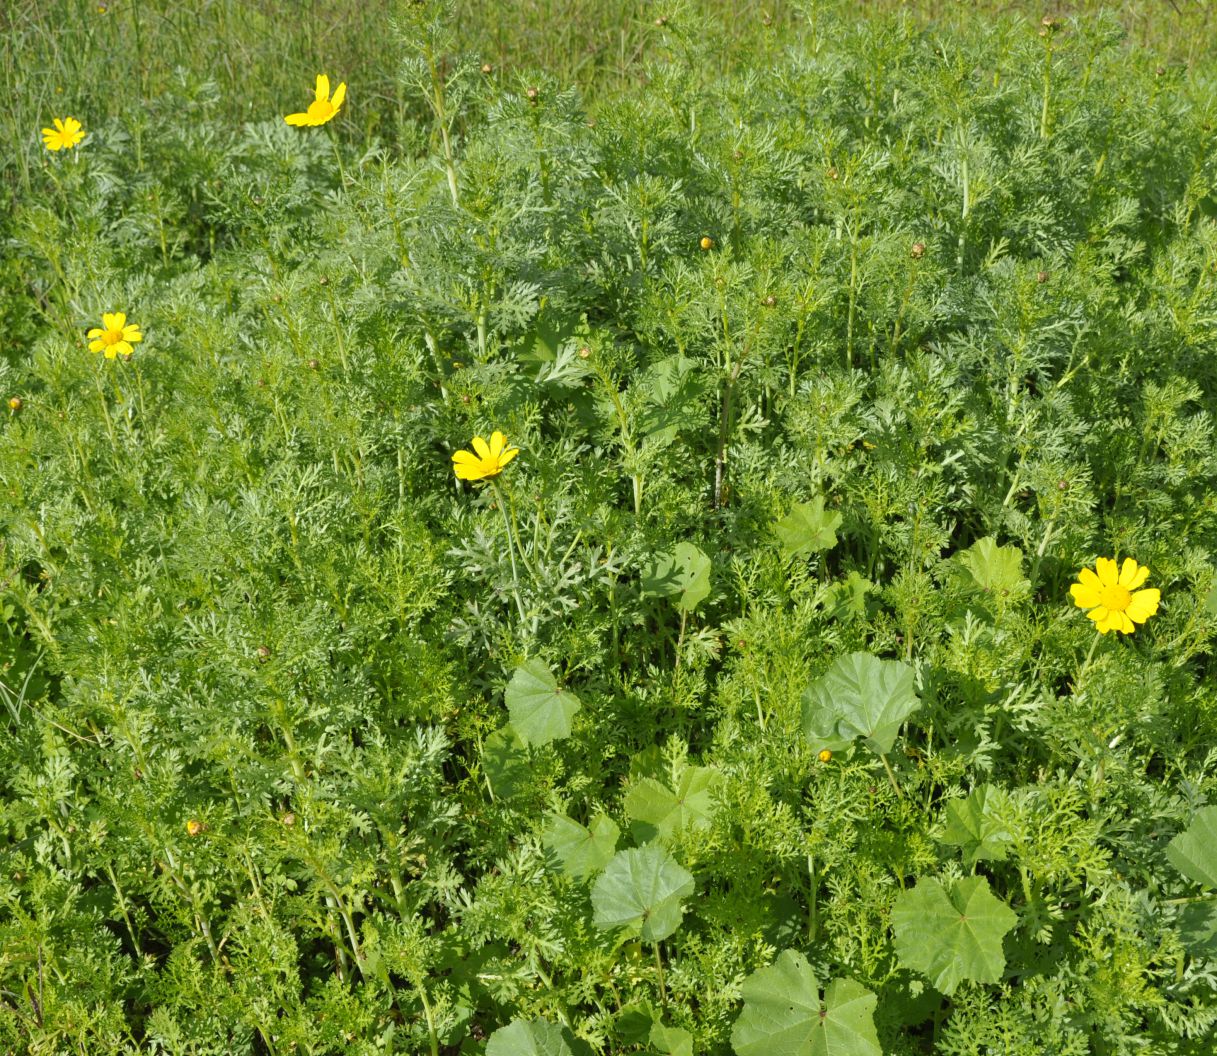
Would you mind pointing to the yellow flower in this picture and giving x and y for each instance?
(322, 108)
(825, 755)
(489, 460)
(1112, 597)
(65, 135)
(115, 336)
(193, 827)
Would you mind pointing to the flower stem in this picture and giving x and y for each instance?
(511, 544)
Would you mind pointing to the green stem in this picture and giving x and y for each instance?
(663, 988)
(515, 575)
(891, 776)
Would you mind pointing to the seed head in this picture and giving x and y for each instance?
(533, 95)
(584, 353)
(1041, 277)
(918, 250)
(832, 173)
(487, 68)
(193, 827)
(661, 21)
(263, 653)
(314, 364)
(289, 819)
(770, 301)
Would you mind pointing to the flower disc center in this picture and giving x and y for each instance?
(320, 108)
(1114, 598)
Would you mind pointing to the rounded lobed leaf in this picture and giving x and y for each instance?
(642, 887)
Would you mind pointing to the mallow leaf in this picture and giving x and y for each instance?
(784, 1014)
(659, 812)
(580, 851)
(540, 710)
(976, 824)
(536, 1037)
(671, 1041)
(807, 528)
(682, 574)
(859, 696)
(996, 570)
(642, 888)
(949, 936)
(1194, 851)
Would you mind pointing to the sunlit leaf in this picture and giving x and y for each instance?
(785, 1015)
(949, 936)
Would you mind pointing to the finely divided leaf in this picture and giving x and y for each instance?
(807, 528)
(642, 887)
(859, 696)
(784, 1015)
(540, 711)
(535, 1037)
(952, 936)
(580, 851)
(1194, 851)
(660, 813)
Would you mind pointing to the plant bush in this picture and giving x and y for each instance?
(747, 709)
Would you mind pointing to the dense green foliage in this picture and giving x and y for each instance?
(748, 709)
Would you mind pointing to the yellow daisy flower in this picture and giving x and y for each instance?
(1112, 597)
(322, 108)
(115, 336)
(64, 136)
(489, 460)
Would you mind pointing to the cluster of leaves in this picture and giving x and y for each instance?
(781, 736)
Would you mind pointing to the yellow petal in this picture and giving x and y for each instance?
(1088, 578)
(96, 346)
(507, 456)
(465, 458)
(120, 321)
(481, 447)
(1098, 614)
(472, 472)
(1132, 578)
(95, 332)
(1106, 569)
(323, 87)
(340, 93)
(297, 119)
(59, 125)
(131, 333)
(107, 320)
(497, 442)
(111, 351)
(49, 133)
(1085, 596)
(72, 125)
(123, 347)
(1123, 624)
(1143, 605)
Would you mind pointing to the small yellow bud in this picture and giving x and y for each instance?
(706, 242)
(193, 827)
(824, 756)
(14, 403)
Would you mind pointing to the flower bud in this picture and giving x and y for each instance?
(487, 68)
(14, 404)
(824, 756)
(584, 353)
(706, 242)
(193, 827)
(533, 95)
(314, 364)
